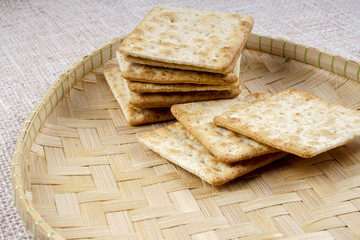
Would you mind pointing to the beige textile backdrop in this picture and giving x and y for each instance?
(40, 39)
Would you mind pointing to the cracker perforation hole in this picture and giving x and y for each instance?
(217, 169)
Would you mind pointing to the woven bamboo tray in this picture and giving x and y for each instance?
(79, 172)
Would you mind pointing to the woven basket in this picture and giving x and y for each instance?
(79, 172)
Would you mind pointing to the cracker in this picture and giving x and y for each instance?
(150, 74)
(154, 63)
(160, 100)
(296, 122)
(227, 146)
(175, 144)
(134, 116)
(140, 87)
(210, 41)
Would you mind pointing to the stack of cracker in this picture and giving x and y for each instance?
(221, 140)
(177, 56)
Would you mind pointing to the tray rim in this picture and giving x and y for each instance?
(40, 229)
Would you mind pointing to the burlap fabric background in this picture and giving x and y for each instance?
(40, 39)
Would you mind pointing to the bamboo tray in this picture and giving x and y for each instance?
(79, 172)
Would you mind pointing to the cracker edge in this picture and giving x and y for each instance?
(228, 78)
(139, 87)
(130, 113)
(146, 102)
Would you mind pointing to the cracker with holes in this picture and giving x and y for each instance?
(177, 145)
(188, 39)
(294, 121)
(226, 145)
(140, 74)
(134, 116)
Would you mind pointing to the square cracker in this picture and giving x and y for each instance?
(149, 74)
(294, 121)
(154, 63)
(140, 87)
(175, 144)
(134, 116)
(163, 99)
(227, 146)
(206, 41)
